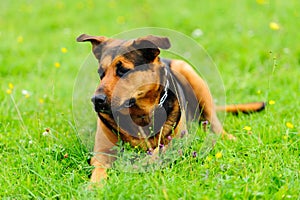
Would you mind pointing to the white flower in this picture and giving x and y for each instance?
(197, 33)
(45, 133)
(25, 92)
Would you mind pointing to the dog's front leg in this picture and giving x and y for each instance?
(104, 155)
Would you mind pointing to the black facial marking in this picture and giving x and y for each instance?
(120, 69)
(101, 73)
(136, 58)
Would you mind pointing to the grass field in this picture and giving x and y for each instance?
(255, 45)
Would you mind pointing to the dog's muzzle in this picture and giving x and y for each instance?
(100, 103)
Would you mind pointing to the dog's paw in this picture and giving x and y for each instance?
(98, 178)
(231, 137)
(96, 185)
(228, 136)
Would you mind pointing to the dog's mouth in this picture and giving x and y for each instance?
(102, 109)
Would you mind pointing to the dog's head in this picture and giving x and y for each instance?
(132, 75)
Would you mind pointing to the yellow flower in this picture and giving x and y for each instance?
(262, 2)
(274, 26)
(289, 125)
(64, 50)
(41, 101)
(218, 155)
(258, 91)
(57, 64)
(20, 39)
(208, 158)
(247, 128)
(11, 86)
(272, 102)
(8, 91)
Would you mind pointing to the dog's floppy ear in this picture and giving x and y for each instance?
(149, 45)
(159, 42)
(95, 40)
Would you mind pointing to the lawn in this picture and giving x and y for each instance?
(255, 46)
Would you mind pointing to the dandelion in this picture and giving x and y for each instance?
(8, 91)
(11, 86)
(247, 128)
(57, 64)
(218, 155)
(289, 125)
(209, 158)
(261, 2)
(272, 102)
(41, 101)
(20, 39)
(274, 26)
(64, 50)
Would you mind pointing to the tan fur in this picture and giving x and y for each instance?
(145, 87)
(244, 108)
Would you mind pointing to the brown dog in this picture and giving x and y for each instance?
(138, 88)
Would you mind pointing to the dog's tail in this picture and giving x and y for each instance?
(243, 108)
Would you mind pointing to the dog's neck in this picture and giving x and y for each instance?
(164, 93)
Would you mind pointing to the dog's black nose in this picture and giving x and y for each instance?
(99, 99)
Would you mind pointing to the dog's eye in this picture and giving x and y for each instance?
(101, 73)
(120, 69)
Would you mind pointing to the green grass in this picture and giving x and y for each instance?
(262, 164)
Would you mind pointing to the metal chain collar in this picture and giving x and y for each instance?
(164, 97)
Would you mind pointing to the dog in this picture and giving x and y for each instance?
(144, 100)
